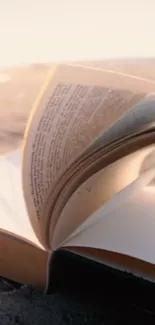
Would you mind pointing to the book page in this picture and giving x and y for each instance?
(76, 105)
(13, 215)
(97, 191)
(140, 116)
(117, 261)
(127, 226)
(21, 261)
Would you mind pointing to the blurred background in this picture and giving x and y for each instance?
(113, 34)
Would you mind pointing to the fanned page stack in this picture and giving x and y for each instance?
(84, 180)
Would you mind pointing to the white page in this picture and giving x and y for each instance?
(13, 214)
(128, 228)
(106, 189)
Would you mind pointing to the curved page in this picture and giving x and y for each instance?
(76, 105)
(126, 224)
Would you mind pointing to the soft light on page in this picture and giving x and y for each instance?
(150, 188)
(13, 214)
(128, 228)
(107, 190)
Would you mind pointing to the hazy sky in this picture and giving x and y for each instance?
(49, 30)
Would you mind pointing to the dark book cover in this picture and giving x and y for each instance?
(93, 282)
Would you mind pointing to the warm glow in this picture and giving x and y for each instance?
(150, 189)
(4, 77)
(51, 30)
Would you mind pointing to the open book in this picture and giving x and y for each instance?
(84, 180)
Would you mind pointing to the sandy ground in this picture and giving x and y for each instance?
(18, 89)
